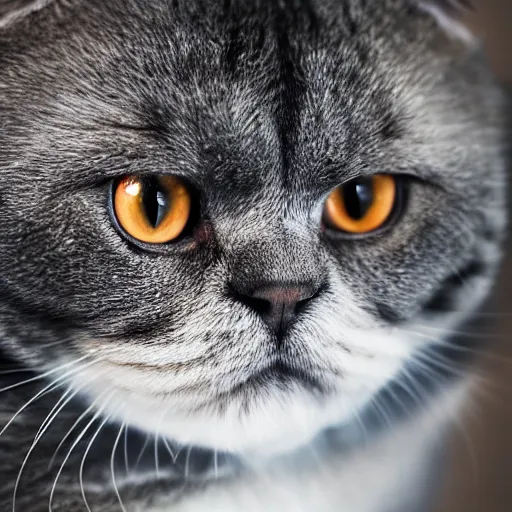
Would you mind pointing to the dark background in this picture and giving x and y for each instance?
(480, 478)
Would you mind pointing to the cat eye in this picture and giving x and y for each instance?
(153, 210)
(362, 205)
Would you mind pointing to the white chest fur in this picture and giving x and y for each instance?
(392, 474)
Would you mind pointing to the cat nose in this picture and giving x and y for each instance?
(278, 305)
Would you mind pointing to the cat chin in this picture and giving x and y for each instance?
(279, 423)
(253, 417)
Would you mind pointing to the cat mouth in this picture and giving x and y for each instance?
(282, 374)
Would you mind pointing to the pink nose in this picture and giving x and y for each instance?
(278, 305)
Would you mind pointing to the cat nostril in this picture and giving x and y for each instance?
(301, 304)
(278, 305)
(261, 306)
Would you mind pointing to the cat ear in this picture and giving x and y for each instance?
(450, 14)
(13, 10)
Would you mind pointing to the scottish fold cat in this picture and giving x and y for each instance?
(239, 242)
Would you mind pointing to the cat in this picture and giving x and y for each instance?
(240, 242)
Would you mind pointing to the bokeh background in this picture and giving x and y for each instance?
(480, 472)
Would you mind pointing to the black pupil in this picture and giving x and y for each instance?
(358, 197)
(155, 200)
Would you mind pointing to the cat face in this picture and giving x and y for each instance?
(262, 321)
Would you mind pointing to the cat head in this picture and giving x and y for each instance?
(330, 175)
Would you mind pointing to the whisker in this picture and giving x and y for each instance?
(484, 351)
(66, 376)
(82, 463)
(142, 450)
(169, 449)
(46, 423)
(455, 419)
(45, 391)
(61, 401)
(418, 399)
(427, 360)
(42, 375)
(424, 360)
(75, 424)
(466, 334)
(389, 422)
(420, 394)
(73, 446)
(380, 409)
(127, 469)
(112, 467)
(156, 456)
(27, 456)
(483, 314)
(446, 365)
(157, 437)
(17, 370)
(187, 463)
(40, 433)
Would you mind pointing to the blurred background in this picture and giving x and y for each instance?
(480, 474)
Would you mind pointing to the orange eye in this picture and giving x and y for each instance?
(362, 205)
(154, 210)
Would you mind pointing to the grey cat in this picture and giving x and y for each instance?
(238, 239)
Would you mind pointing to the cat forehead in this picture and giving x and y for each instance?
(248, 76)
(251, 83)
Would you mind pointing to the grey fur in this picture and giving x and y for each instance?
(264, 107)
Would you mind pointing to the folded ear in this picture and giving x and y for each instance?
(13, 10)
(450, 15)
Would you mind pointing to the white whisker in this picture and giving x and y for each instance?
(112, 467)
(66, 376)
(187, 463)
(157, 469)
(127, 469)
(75, 443)
(157, 436)
(44, 427)
(17, 370)
(46, 390)
(61, 403)
(142, 450)
(169, 449)
(42, 375)
(82, 463)
(75, 424)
